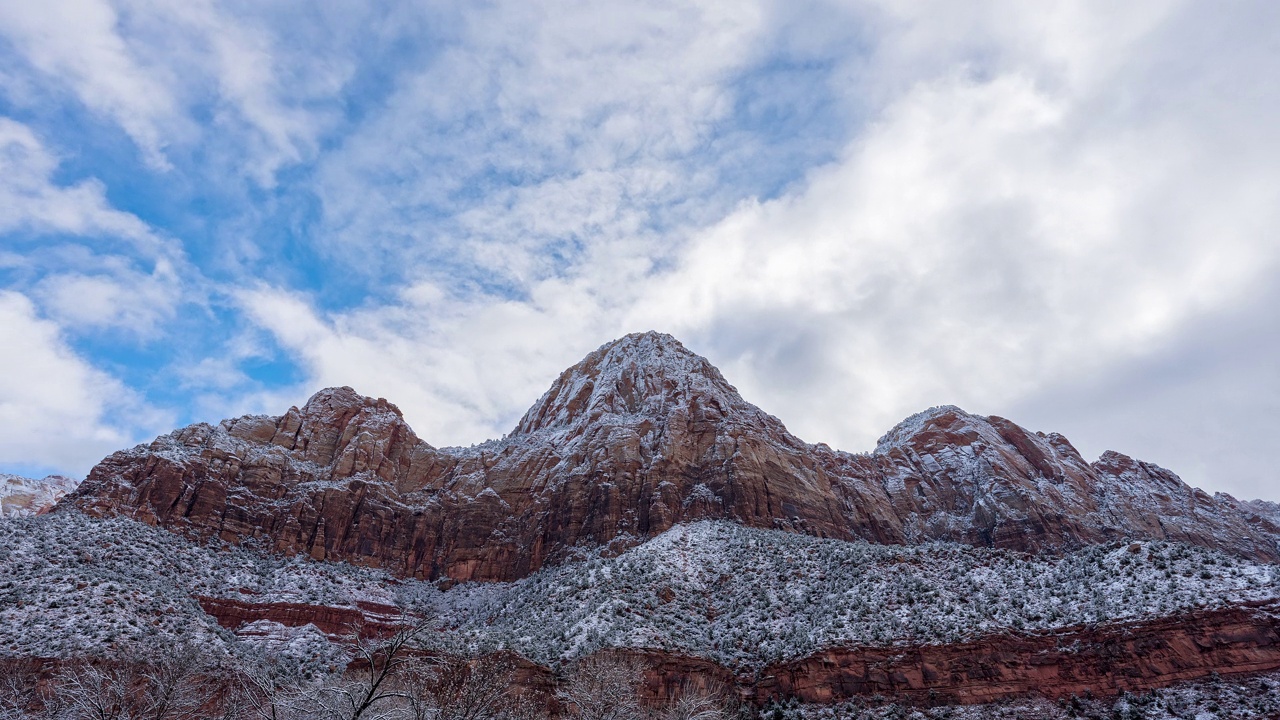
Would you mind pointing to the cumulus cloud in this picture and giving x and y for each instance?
(57, 410)
(856, 209)
(1039, 218)
(1034, 202)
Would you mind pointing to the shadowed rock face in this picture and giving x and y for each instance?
(640, 435)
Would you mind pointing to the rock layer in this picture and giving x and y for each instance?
(640, 435)
(1104, 660)
(20, 496)
(1100, 660)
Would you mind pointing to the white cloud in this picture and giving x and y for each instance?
(574, 124)
(155, 68)
(1034, 199)
(989, 234)
(216, 50)
(117, 296)
(57, 410)
(78, 42)
(985, 234)
(31, 201)
(461, 372)
(98, 286)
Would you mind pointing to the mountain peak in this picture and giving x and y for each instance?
(344, 399)
(917, 423)
(642, 374)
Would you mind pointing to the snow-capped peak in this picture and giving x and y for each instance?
(915, 424)
(646, 374)
(26, 496)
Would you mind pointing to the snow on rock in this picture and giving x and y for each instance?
(20, 496)
(638, 437)
(739, 596)
(747, 598)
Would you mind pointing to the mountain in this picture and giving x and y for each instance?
(639, 436)
(20, 496)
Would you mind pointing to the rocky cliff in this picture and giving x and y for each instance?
(20, 496)
(640, 435)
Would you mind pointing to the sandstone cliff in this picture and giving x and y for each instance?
(20, 496)
(640, 435)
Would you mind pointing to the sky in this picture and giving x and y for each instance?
(1062, 213)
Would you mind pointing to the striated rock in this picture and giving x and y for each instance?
(20, 496)
(640, 435)
(1100, 660)
(363, 620)
(1104, 661)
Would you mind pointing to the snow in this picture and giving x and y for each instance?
(20, 496)
(911, 426)
(742, 597)
(747, 597)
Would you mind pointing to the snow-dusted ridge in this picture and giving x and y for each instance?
(742, 597)
(747, 597)
(21, 496)
(639, 436)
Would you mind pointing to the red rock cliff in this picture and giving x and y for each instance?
(640, 435)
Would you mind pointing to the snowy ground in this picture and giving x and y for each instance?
(747, 597)
(72, 585)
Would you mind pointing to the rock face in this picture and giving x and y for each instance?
(364, 620)
(21, 496)
(640, 435)
(1100, 660)
(1106, 660)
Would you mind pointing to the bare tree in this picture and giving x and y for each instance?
(480, 689)
(99, 691)
(19, 691)
(173, 685)
(705, 701)
(603, 687)
(265, 688)
(378, 687)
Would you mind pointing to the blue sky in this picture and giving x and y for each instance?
(1067, 214)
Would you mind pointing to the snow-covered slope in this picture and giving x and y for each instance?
(1238, 698)
(21, 496)
(739, 596)
(746, 597)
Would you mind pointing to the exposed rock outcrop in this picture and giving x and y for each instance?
(640, 435)
(364, 620)
(21, 496)
(1101, 660)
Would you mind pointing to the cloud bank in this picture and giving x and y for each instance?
(1063, 214)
